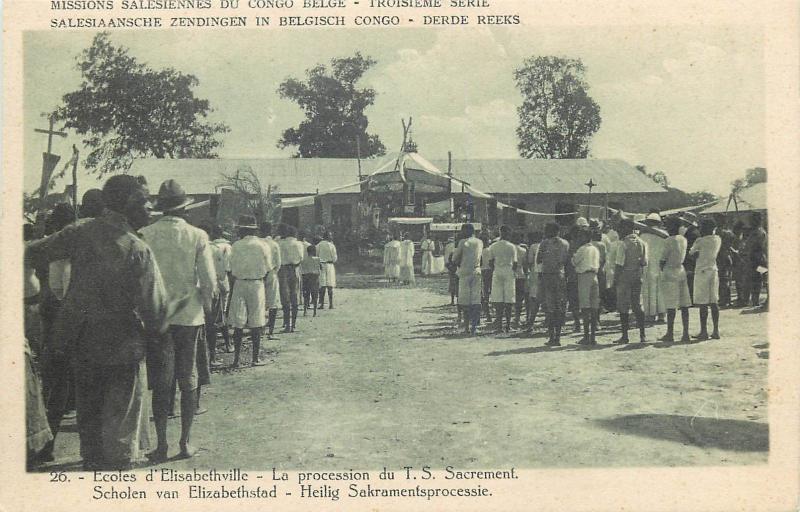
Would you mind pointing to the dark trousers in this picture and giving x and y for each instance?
(287, 282)
(109, 401)
(57, 387)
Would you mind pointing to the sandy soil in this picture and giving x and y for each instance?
(385, 380)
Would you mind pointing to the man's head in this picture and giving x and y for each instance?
(92, 203)
(265, 229)
(327, 235)
(505, 232)
(756, 219)
(172, 198)
(625, 227)
(291, 231)
(311, 250)
(552, 229)
(62, 215)
(217, 232)
(126, 195)
(469, 230)
(707, 226)
(673, 225)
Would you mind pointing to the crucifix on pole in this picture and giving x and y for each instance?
(591, 184)
(50, 132)
(49, 161)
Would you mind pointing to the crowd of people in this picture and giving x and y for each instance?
(116, 304)
(652, 269)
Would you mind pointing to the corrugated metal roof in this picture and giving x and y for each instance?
(290, 175)
(308, 175)
(550, 176)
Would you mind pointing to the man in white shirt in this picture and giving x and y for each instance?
(706, 277)
(674, 283)
(326, 252)
(291, 256)
(504, 255)
(534, 273)
(221, 254)
(427, 246)
(486, 278)
(586, 262)
(184, 257)
(271, 286)
(251, 261)
(520, 279)
(468, 258)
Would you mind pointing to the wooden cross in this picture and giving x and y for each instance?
(591, 184)
(50, 134)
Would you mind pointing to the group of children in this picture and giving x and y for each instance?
(588, 267)
(261, 274)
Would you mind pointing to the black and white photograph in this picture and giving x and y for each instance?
(459, 251)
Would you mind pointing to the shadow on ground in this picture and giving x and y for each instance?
(733, 435)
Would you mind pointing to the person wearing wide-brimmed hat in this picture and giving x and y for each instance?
(652, 295)
(184, 256)
(251, 262)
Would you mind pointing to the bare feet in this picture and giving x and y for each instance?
(187, 451)
(158, 455)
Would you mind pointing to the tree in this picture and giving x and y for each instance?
(557, 117)
(126, 110)
(335, 125)
(262, 202)
(659, 176)
(702, 197)
(755, 175)
(752, 177)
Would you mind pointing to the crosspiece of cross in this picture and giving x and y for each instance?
(50, 134)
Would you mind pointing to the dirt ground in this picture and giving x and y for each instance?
(385, 380)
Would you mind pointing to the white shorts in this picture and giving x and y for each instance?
(248, 305)
(327, 275)
(469, 290)
(706, 287)
(675, 289)
(272, 291)
(503, 287)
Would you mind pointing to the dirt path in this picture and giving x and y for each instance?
(383, 380)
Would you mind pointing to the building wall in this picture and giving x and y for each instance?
(547, 203)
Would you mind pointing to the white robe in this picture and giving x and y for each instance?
(407, 261)
(426, 247)
(391, 259)
(652, 294)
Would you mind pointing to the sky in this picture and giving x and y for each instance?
(688, 101)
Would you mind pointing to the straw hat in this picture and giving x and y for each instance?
(171, 196)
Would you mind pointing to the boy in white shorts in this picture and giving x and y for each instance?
(251, 260)
(706, 277)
